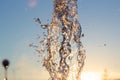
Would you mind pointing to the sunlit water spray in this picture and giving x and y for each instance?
(61, 49)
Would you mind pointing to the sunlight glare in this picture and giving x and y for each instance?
(90, 76)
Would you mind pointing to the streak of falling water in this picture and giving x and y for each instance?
(61, 49)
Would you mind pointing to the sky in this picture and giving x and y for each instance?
(100, 21)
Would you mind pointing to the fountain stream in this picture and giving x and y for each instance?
(61, 48)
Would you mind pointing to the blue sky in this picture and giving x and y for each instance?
(100, 20)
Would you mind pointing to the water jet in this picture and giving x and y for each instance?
(61, 49)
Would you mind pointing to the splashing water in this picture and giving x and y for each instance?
(61, 49)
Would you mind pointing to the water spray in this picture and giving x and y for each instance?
(61, 49)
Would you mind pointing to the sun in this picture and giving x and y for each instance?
(90, 76)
